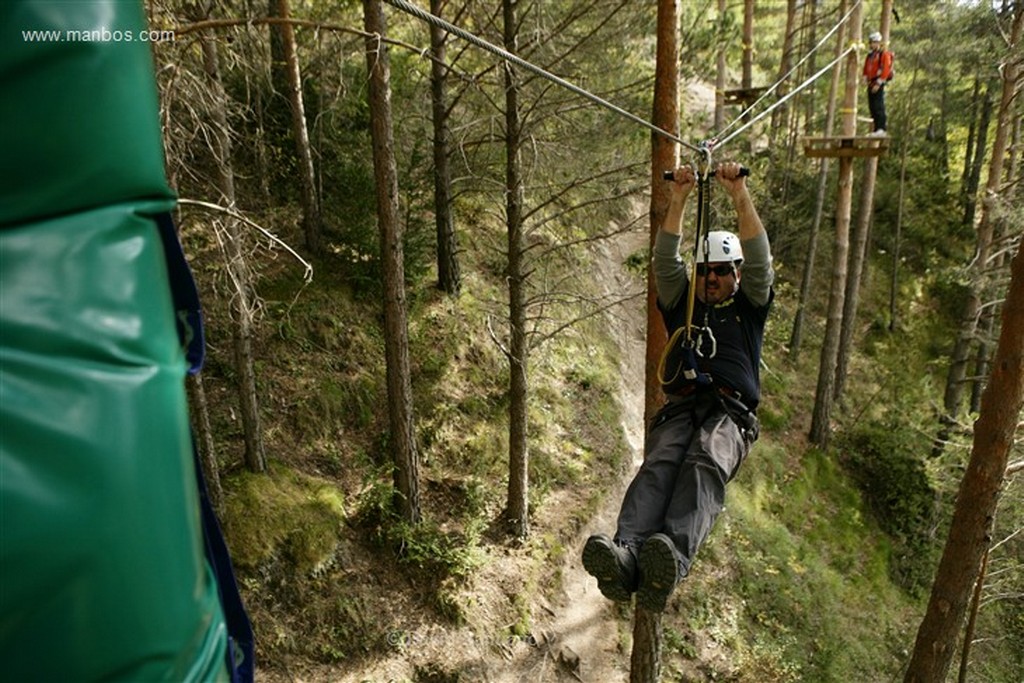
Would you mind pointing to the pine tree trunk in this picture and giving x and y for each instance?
(797, 334)
(200, 413)
(796, 337)
(785, 64)
(747, 77)
(858, 256)
(981, 357)
(276, 112)
(517, 505)
(720, 74)
(242, 310)
(810, 20)
(974, 171)
(747, 66)
(260, 134)
(976, 501)
(792, 139)
(969, 152)
(645, 661)
(278, 58)
(449, 278)
(664, 156)
(858, 247)
(396, 333)
(898, 236)
(970, 206)
(1001, 405)
(821, 418)
(972, 619)
(960, 355)
(1013, 165)
(307, 178)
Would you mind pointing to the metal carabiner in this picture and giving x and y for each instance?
(706, 147)
(700, 342)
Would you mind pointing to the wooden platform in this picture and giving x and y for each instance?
(744, 96)
(858, 146)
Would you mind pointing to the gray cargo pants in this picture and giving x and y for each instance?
(694, 448)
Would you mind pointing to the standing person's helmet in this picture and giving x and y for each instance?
(875, 37)
(722, 246)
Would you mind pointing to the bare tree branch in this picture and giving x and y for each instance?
(234, 213)
(1015, 533)
(490, 330)
(541, 339)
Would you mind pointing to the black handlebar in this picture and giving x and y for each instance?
(670, 175)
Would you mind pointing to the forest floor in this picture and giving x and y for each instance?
(575, 633)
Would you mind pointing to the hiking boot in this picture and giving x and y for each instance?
(659, 572)
(613, 566)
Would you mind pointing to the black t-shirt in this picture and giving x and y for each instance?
(731, 353)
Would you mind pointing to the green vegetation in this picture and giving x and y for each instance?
(794, 579)
(818, 568)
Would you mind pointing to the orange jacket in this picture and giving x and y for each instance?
(878, 66)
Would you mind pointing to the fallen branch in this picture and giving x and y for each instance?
(307, 275)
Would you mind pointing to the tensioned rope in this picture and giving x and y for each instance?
(781, 80)
(508, 56)
(703, 149)
(788, 96)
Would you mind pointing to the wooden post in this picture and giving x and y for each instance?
(820, 421)
(748, 44)
(858, 254)
(720, 76)
(748, 51)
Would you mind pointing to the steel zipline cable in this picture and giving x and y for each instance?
(789, 95)
(704, 149)
(781, 80)
(522, 63)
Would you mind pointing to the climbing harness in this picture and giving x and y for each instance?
(688, 341)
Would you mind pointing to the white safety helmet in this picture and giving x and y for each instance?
(723, 246)
(875, 37)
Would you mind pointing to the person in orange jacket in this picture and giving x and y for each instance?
(877, 72)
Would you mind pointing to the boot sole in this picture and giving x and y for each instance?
(600, 561)
(659, 573)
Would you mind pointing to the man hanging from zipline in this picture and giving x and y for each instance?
(709, 373)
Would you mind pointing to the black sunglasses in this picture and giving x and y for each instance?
(721, 271)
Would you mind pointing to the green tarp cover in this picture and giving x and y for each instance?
(102, 571)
